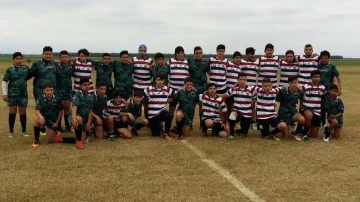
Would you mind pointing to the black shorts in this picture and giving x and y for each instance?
(217, 127)
(119, 124)
(264, 125)
(316, 119)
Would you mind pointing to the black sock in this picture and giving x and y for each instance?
(23, 122)
(12, 118)
(68, 140)
(179, 125)
(66, 120)
(232, 126)
(306, 130)
(78, 132)
(138, 126)
(299, 129)
(37, 133)
(59, 126)
(275, 131)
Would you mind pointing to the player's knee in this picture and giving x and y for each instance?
(124, 118)
(209, 123)
(223, 134)
(145, 122)
(179, 116)
(282, 126)
(334, 122)
(301, 120)
(79, 119)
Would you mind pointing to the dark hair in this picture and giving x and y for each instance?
(159, 55)
(138, 93)
(124, 52)
(333, 86)
(17, 54)
(159, 76)
(237, 53)
(220, 47)
(197, 48)
(47, 85)
(100, 84)
(63, 52)
(292, 78)
(84, 51)
(269, 46)
(188, 80)
(105, 55)
(266, 80)
(211, 85)
(84, 80)
(117, 94)
(250, 50)
(179, 49)
(308, 46)
(47, 48)
(315, 72)
(241, 74)
(325, 53)
(289, 52)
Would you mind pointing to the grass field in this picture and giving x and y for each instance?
(153, 169)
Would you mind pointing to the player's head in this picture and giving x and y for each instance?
(269, 50)
(48, 90)
(237, 57)
(179, 53)
(106, 59)
(198, 53)
(188, 84)
(266, 85)
(220, 50)
(64, 57)
(315, 77)
(242, 79)
(324, 57)
(308, 50)
(290, 56)
(138, 96)
(142, 51)
(117, 97)
(124, 56)
(159, 80)
(84, 85)
(100, 88)
(293, 82)
(333, 90)
(47, 53)
(83, 54)
(159, 59)
(211, 89)
(17, 58)
(250, 53)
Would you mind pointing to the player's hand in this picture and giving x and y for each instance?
(55, 125)
(131, 117)
(74, 123)
(41, 120)
(333, 117)
(5, 98)
(74, 59)
(223, 125)
(194, 89)
(87, 127)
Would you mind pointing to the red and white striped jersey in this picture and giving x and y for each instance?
(251, 70)
(218, 73)
(265, 103)
(211, 107)
(268, 68)
(232, 72)
(287, 70)
(312, 97)
(179, 70)
(141, 72)
(243, 98)
(82, 70)
(157, 99)
(114, 110)
(307, 65)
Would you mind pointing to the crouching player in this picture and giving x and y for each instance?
(116, 117)
(335, 109)
(134, 108)
(211, 105)
(100, 99)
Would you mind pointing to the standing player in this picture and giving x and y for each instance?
(160, 68)
(307, 63)
(14, 89)
(217, 69)
(288, 68)
(82, 70)
(100, 99)
(123, 72)
(268, 66)
(104, 72)
(142, 69)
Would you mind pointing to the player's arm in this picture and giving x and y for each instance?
(75, 104)
(4, 86)
(340, 109)
(60, 112)
(224, 111)
(33, 70)
(172, 94)
(146, 102)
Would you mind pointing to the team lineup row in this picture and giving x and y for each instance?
(137, 76)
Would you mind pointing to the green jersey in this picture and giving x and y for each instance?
(104, 73)
(187, 101)
(63, 79)
(17, 78)
(288, 102)
(43, 72)
(328, 72)
(163, 70)
(134, 109)
(99, 104)
(333, 106)
(198, 69)
(84, 103)
(123, 78)
(49, 108)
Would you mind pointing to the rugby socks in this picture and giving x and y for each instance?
(179, 125)
(138, 126)
(12, 118)
(168, 123)
(36, 133)
(275, 131)
(232, 126)
(78, 132)
(200, 115)
(299, 129)
(23, 122)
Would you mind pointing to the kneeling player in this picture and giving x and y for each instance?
(335, 109)
(134, 108)
(211, 106)
(100, 99)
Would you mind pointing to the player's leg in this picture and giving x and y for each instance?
(284, 128)
(109, 123)
(36, 126)
(264, 127)
(52, 134)
(229, 104)
(315, 125)
(179, 122)
(67, 114)
(244, 126)
(154, 124)
(172, 108)
(308, 115)
(166, 117)
(233, 118)
(98, 124)
(218, 129)
(138, 124)
(79, 133)
(22, 112)
(12, 117)
(337, 133)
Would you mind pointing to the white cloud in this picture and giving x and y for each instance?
(115, 25)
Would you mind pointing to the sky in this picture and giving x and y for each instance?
(115, 25)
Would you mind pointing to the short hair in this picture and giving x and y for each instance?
(241, 74)
(100, 84)
(269, 46)
(84, 80)
(84, 51)
(63, 52)
(333, 86)
(124, 52)
(211, 85)
(325, 53)
(308, 46)
(117, 94)
(48, 85)
(188, 80)
(289, 52)
(315, 72)
(292, 78)
(197, 48)
(159, 55)
(105, 55)
(220, 47)
(160, 76)
(17, 54)
(237, 53)
(179, 49)
(138, 93)
(250, 50)
(47, 48)
(266, 80)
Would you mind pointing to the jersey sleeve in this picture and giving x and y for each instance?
(340, 107)
(223, 107)
(279, 96)
(146, 95)
(172, 93)
(33, 70)
(200, 97)
(229, 92)
(336, 72)
(38, 105)
(7, 75)
(76, 100)
(60, 105)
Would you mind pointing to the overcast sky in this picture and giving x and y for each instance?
(115, 25)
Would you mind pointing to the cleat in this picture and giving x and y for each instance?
(168, 137)
(305, 138)
(297, 137)
(24, 134)
(230, 137)
(11, 135)
(58, 138)
(111, 137)
(36, 144)
(79, 145)
(134, 132)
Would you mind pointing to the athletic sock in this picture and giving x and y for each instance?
(275, 131)
(68, 140)
(37, 133)
(78, 132)
(232, 126)
(12, 118)
(23, 122)
(179, 125)
(138, 126)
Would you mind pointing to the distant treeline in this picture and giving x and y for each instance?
(167, 55)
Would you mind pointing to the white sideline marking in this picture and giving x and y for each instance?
(224, 173)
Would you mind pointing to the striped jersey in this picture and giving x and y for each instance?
(211, 107)
(265, 103)
(157, 98)
(232, 72)
(268, 68)
(251, 70)
(287, 70)
(243, 98)
(179, 70)
(82, 70)
(312, 97)
(114, 110)
(218, 73)
(307, 65)
(141, 72)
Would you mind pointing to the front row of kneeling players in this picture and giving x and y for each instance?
(117, 114)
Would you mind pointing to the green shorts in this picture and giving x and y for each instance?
(18, 101)
(340, 121)
(287, 117)
(101, 118)
(188, 119)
